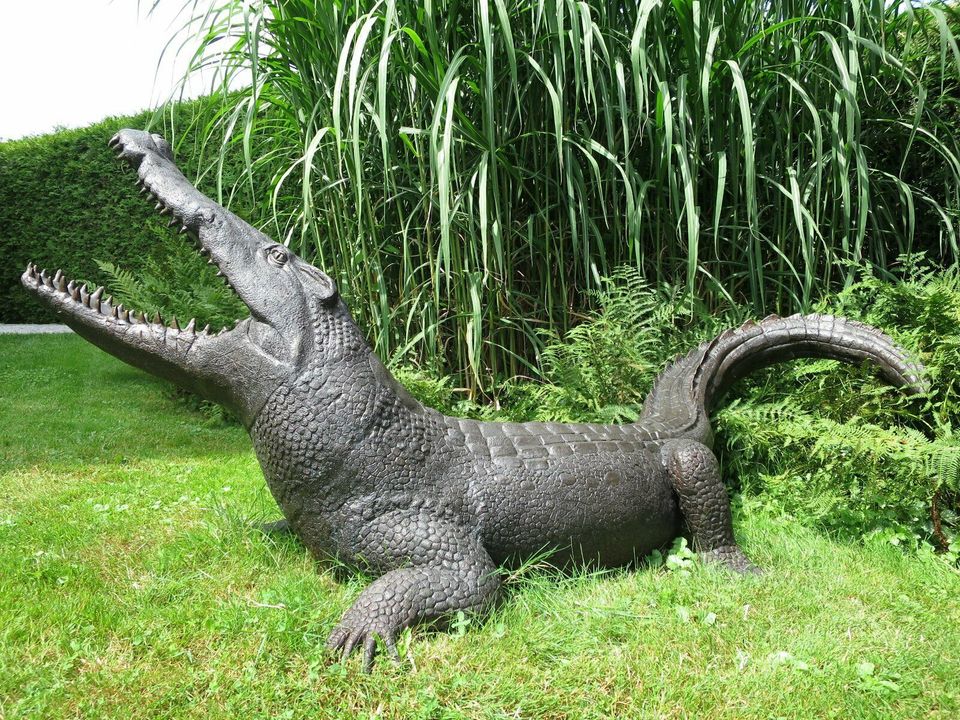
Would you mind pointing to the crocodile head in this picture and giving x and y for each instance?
(239, 368)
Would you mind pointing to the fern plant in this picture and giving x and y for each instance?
(175, 281)
(831, 446)
(603, 368)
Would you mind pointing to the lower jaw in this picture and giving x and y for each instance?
(80, 306)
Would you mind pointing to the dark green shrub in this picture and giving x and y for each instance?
(65, 202)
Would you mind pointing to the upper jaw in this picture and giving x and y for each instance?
(226, 241)
(161, 181)
(159, 178)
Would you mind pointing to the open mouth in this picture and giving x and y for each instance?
(65, 294)
(76, 300)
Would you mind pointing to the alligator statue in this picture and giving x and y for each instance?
(433, 505)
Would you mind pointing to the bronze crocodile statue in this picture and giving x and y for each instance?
(432, 504)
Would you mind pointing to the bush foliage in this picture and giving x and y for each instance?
(65, 202)
(855, 456)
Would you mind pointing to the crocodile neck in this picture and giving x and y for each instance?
(320, 435)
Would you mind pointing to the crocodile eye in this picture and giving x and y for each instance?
(277, 255)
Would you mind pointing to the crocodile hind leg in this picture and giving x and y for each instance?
(695, 475)
(434, 568)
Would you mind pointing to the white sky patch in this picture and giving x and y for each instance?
(69, 63)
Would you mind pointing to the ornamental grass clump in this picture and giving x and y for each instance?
(470, 171)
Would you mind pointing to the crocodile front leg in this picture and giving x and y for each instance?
(434, 568)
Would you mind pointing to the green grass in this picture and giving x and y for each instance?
(133, 584)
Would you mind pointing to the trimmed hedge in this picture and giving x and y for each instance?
(66, 202)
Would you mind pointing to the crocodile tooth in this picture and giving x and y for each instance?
(206, 329)
(84, 295)
(29, 270)
(124, 314)
(72, 289)
(45, 278)
(184, 229)
(191, 326)
(61, 282)
(158, 206)
(173, 322)
(157, 320)
(115, 312)
(57, 277)
(173, 221)
(97, 294)
(141, 317)
(144, 190)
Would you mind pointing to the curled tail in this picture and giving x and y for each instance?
(679, 403)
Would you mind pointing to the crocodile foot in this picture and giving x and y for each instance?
(732, 558)
(360, 629)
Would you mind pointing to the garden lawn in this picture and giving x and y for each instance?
(133, 584)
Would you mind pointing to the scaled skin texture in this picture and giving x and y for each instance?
(433, 505)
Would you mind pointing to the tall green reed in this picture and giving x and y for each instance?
(469, 171)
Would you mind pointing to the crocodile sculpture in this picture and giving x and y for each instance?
(431, 504)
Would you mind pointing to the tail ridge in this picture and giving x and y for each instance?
(682, 395)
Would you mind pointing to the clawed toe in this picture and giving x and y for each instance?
(278, 527)
(344, 640)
